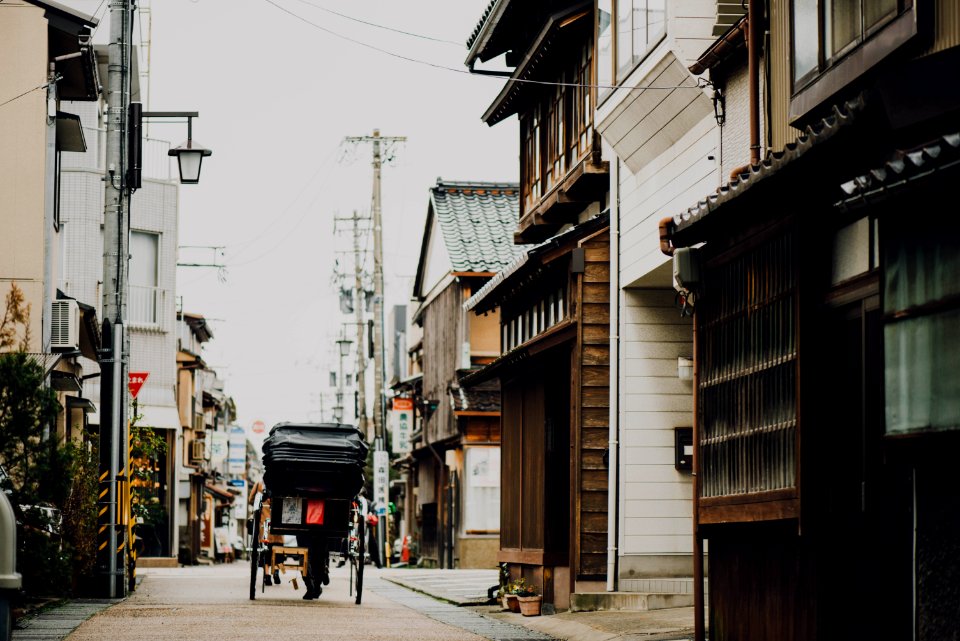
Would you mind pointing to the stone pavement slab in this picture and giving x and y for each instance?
(56, 622)
(460, 587)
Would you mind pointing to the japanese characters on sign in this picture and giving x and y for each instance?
(135, 382)
(401, 424)
(381, 479)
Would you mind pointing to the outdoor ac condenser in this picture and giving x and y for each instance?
(65, 326)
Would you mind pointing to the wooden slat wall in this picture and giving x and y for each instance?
(442, 338)
(780, 133)
(510, 463)
(592, 408)
(533, 513)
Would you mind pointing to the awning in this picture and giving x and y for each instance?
(64, 381)
(70, 133)
(80, 403)
(159, 417)
(220, 491)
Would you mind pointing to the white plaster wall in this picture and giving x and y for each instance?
(675, 180)
(736, 130)
(656, 499)
(154, 208)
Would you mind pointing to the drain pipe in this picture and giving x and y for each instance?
(613, 517)
(754, 26)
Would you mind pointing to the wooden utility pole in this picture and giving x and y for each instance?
(359, 302)
(381, 466)
(379, 143)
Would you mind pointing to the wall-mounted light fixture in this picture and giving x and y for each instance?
(685, 368)
(190, 154)
(719, 106)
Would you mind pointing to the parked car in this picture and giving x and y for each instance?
(10, 579)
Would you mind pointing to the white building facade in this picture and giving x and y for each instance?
(662, 139)
(151, 312)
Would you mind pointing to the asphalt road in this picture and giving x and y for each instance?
(211, 603)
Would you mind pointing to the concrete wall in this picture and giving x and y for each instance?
(23, 163)
(477, 551)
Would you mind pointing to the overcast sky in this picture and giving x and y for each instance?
(276, 97)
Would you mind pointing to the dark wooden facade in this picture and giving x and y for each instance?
(819, 482)
(555, 413)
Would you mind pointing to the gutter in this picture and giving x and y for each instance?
(613, 502)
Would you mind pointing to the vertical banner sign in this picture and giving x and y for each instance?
(380, 481)
(237, 451)
(401, 424)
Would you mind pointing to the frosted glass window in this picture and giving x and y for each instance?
(921, 301)
(481, 505)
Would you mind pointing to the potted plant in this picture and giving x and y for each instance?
(528, 598)
(509, 599)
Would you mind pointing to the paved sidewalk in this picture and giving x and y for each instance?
(56, 622)
(446, 596)
(469, 588)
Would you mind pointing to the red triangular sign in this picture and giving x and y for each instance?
(137, 379)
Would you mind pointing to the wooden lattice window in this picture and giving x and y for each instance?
(530, 169)
(747, 392)
(581, 108)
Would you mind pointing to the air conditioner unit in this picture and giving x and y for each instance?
(65, 326)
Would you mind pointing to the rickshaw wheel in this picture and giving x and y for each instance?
(254, 555)
(357, 559)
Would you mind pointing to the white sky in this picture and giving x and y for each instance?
(276, 97)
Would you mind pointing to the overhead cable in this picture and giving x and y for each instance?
(434, 65)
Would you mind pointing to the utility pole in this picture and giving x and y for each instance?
(358, 311)
(380, 463)
(379, 143)
(116, 234)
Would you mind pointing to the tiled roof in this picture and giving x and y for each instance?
(482, 21)
(476, 221)
(481, 398)
(529, 256)
(776, 161)
(903, 167)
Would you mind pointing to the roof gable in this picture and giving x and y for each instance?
(473, 222)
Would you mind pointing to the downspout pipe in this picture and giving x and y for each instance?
(613, 517)
(754, 31)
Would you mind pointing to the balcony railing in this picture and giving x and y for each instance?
(146, 306)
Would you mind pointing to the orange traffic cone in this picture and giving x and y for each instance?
(405, 550)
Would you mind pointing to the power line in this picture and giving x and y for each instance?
(28, 91)
(379, 26)
(427, 63)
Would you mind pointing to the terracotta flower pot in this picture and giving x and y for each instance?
(530, 605)
(512, 602)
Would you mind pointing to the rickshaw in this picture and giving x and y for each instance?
(313, 475)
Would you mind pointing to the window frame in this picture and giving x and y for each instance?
(832, 74)
(618, 74)
(546, 159)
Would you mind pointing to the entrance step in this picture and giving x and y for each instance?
(157, 562)
(636, 601)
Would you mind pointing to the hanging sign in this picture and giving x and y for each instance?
(135, 382)
(401, 424)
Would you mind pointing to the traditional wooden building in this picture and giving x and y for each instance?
(456, 456)
(553, 301)
(826, 294)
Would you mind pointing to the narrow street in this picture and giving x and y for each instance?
(211, 603)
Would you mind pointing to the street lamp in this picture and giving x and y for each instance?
(189, 154)
(344, 343)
